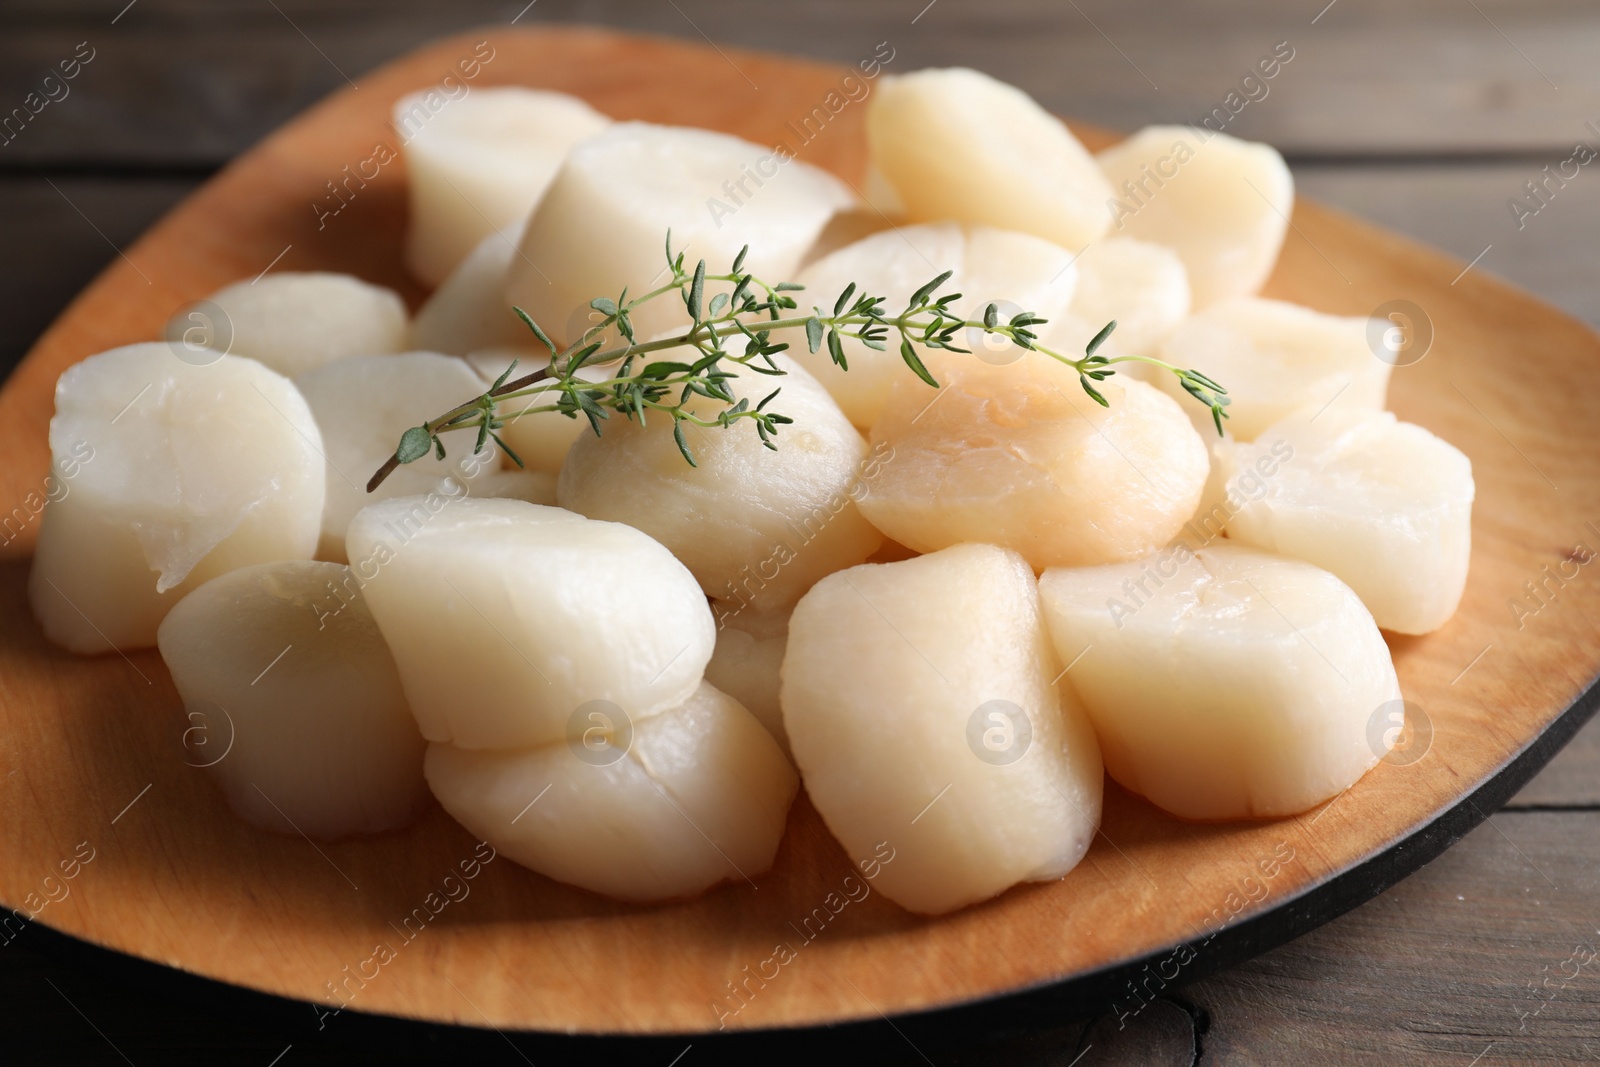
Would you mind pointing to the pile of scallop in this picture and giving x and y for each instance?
(946, 612)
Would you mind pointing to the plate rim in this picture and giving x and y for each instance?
(1076, 998)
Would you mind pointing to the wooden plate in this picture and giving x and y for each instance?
(94, 759)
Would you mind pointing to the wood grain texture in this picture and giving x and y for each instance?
(1468, 958)
(1571, 781)
(1463, 210)
(179, 880)
(1447, 965)
(1369, 76)
(60, 233)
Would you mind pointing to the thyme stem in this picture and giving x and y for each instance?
(926, 322)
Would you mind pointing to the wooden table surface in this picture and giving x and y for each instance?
(1427, 117)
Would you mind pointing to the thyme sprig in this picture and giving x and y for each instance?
(733, 331)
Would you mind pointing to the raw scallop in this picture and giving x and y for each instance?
(507, 617)
(1221, 203)
(478, 164)
(644, 811)
(1385, 505)
(469, 310)
(362, 405)
(1143, 287)
(293, 322)
(1226, 683)
(293, 702)
(1016, 271)
(753, 524)
(194, 471)
(1018, 455)
(1275, 358)
(920, 705)
(602, 224)
(957, 144)
(745, 664)
(541, 439)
